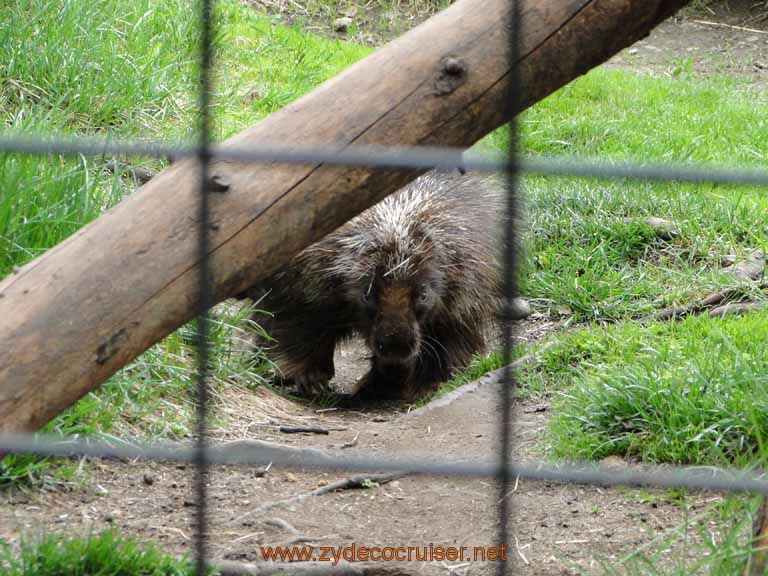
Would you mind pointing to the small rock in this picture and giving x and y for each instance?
(149, 479)
(536, 408)
(665, 229)
(342, 24)
(260, 472)
(520, 308)
(290, 477)
(613, 462)
(633, 51)
(564, 310)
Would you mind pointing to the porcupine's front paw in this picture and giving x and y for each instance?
(414, 389)
(379, 385)
(309, 380)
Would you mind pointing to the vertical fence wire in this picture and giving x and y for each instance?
(509, 267)
(204, 300)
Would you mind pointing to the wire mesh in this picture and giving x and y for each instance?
(202, 455)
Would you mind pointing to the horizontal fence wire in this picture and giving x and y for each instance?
(256, 453)
(394, 157)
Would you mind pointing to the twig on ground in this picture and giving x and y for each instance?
(357, 481)
(352, 443)
(248, 536)
(280, 523)
(303, 430)
(735, 309)
(728, 301)
(137, 173)
(730, 26)
(520, 551)
(240, 450)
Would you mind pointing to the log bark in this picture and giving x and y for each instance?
(77, 314)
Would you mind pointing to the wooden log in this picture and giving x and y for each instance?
(74, 316)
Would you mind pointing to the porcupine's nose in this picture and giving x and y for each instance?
(395, 345)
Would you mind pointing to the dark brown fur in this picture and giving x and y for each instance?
(417, 276)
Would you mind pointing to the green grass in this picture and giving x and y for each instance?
(104, 554)
(687, 393)
(589, 252)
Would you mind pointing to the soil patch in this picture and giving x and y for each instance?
(557, 529)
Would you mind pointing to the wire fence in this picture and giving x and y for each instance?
(203, 455)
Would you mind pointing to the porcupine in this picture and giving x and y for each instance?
(417, 276)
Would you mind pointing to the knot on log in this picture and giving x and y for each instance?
(218, 183)
(109, 348)
(452, 74)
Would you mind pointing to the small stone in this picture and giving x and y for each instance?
(564, 310)
(149, 479)
(613, 462)
(218, 183)
(665, 229)
(633, 51)
(290, 477)
(520, 308)
(342, 24)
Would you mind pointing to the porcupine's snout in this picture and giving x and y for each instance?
(395, 338)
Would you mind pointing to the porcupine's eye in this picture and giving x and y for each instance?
(423, 294)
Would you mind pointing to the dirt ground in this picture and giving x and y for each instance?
(557, 529)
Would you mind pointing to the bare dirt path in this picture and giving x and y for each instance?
(556, 528)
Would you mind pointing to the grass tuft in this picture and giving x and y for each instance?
(104, 554)
(688, 393)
